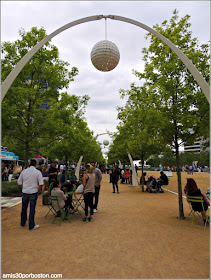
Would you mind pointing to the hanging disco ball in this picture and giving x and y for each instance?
(105, 56)
(105, 142)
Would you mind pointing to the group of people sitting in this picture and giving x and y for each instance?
(63, 190)
(154, 185)
(64, 199)
(89, 180)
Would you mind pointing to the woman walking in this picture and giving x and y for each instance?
(89, 190)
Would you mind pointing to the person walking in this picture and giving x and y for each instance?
(89, 189)
(115, 176)
(31, 181)
(98, 180)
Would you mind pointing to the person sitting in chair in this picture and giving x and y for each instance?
(63, 199)
(68, 187)
(191, 189)
(163, 180)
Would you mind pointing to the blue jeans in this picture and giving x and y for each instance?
(97, 191)
(26, 199)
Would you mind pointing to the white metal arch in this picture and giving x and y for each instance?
(194, 71)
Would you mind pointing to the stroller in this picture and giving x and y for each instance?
(153, 186)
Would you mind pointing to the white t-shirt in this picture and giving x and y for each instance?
(61, 167)
(30, 178)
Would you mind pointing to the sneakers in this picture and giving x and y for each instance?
(117, 192)
(85, 220)
(113, 192)
(94, 210)
(35, 227)
(90, 219)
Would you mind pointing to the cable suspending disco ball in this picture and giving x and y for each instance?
(105, 56)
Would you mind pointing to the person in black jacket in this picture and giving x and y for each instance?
(53, 172)
(115, 176)
(163, 180)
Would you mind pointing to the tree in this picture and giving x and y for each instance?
(25, 108)
(72, 137)
(203, 158)
(137, 120)
(171, 89)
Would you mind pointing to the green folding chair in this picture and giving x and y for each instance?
(50, 208)
(77, 201)
(199, 200)
(62, 211)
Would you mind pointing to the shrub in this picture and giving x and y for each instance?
(8, 188)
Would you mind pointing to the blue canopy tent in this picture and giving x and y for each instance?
(8, 156)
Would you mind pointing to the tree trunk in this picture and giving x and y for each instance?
(26, 154)
(181, 212)
(66, 168)
(142, 174)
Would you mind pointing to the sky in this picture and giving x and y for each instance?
(75, 44)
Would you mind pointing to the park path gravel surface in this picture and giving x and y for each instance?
(134, 235)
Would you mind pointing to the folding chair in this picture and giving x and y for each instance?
(200, 201)
(77, 201)
(50, 208)
(62, 210)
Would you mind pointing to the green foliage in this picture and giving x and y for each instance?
(172, 106)
(203, 158)
(136, 133)
(23, 116)
(7, 188)
(69, 132)
(184, 110)
(154, 161)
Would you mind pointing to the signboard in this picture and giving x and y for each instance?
(8, 156)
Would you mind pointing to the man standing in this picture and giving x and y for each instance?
(53, 172)
(115, 176)
(31, 181)
(98, 180)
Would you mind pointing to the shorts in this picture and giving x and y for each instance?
(46, 179)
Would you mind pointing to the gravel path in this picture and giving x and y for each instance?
(134, 235)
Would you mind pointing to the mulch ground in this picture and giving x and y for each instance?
(134, 235)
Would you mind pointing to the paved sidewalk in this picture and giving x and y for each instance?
(10, 201)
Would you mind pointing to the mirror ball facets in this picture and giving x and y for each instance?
(106, 142)
(105, 56)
